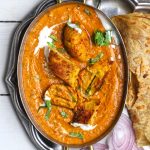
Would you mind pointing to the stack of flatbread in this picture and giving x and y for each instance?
(135, 30)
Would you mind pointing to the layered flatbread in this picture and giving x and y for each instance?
(135, 30)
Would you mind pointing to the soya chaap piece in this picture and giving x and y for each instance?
(63, 68)
(77, 41)
(61, 95)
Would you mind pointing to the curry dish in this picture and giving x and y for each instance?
(72, 74)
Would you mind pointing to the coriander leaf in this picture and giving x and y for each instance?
(72, 96)
(53, 37)
(64, 114)
(87, 11)
(79, 88)
(48, 105)
(98, 38)
(73, 99)
(102, 38)
(51, 44)
(76, 135)
(62, 50)
(96, 59)
(88, 90)
(47, 114)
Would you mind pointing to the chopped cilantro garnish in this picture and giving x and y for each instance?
(62, 50)
(72, 96)
(87, 11)
(51, 44)
(48, 106)
(89, 88)
(96, 59)
(53, 37)
(87, 91)
(76, 135)
(64, 114)
(102, 38)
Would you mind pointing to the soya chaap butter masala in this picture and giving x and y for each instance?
(72, 74)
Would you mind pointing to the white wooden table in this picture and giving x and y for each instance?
(12, 134)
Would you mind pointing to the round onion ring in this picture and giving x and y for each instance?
(122, 136)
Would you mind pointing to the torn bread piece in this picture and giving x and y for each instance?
(135, 30)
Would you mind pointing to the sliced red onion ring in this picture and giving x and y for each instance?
(122, 136)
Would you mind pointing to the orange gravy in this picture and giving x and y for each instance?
(37, 77)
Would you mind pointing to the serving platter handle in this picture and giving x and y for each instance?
(60, 1)
(89, 148)
(84, 1)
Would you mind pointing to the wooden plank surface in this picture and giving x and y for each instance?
(6, 32)
(12, 134)
(16, 10)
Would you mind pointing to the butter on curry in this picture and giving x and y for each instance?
(72, 74)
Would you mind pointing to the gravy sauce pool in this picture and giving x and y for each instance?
(37, 77)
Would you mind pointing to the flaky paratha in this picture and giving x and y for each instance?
(135, 30)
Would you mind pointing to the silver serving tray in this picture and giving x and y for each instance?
(109, 7)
